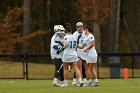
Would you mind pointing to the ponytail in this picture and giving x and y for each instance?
(68, 27)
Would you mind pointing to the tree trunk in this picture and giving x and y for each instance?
(112, 27)
(49, 27)
(96, 29)
(132, 18)
(97, 37)
(48, 14)
(27, 17)
(26, 21)
(132, 23)
(117, 25)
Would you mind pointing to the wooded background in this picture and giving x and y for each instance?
(27, 25)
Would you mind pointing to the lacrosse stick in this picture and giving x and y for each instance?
(59, 68)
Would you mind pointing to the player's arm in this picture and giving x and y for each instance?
(92, 43)
(66, 43)
(59, 43)
(81, 46)
(64, 46)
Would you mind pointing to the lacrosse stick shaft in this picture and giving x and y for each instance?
(69, 68)
(60, 68)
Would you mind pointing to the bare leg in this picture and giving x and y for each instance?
(65, 69)
(94, 74)
(78, 74)
(88, 71)
(79, 65)
(76, 70)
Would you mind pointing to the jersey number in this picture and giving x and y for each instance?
(72, 44)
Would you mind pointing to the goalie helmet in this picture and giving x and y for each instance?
(60, 32)
(58, 28)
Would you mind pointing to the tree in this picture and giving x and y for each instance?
(48, 14)
(131, 18)
(116, 44)
(96, 12)
(130, 26)
(26, 20)
(111, 27)
(8, 30)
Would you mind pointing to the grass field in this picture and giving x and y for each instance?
(45, 71)
(45, 86)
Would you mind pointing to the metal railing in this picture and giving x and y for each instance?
(131, 55)
(26, 56)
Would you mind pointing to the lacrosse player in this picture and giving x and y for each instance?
(91, 57)
(56, 55)
(81, 38)
(70, 56)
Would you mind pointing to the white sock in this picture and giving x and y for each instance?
(84, 79)
(74, 80)
(96, 80)
(65, 81)
(80, 79)
(62, 82)
(56, 79)
(88, 81)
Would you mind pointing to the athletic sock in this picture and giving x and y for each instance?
(65, 81)
(80, 79)
(88, 81)
(55, 79)
(96, 80)
(84, 79)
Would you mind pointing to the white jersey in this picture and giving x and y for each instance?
(91, 56)
(82, 40)
(54, 51)
(90, 38)
(70, 54)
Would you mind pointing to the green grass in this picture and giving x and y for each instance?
(45, 86)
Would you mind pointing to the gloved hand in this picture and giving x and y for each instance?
(59, 51)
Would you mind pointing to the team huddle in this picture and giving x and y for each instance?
(75, 51)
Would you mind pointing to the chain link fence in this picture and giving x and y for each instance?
(40, 66)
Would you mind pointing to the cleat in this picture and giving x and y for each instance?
(80, 84)
(87, 84)
(95, 84)
(84, 81)
(74, 82)
(65, 85)
(56, 84)
(61, 83)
